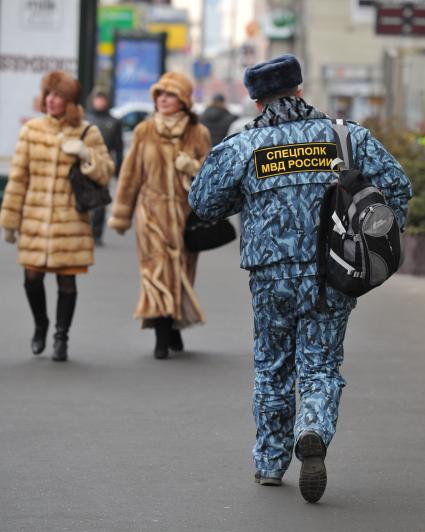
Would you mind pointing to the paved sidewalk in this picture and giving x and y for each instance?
(115, 441)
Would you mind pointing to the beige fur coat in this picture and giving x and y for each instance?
(150, 186)
(38, 200)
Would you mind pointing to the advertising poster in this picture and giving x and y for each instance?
(139, 62)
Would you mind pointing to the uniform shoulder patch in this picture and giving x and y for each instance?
(290, 158)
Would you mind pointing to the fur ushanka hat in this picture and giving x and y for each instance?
(69, 89)
(274, 76)
(177, 84)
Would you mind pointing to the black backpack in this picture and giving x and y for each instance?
(358, 245)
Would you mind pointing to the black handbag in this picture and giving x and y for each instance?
(88, 194)
(201, 235)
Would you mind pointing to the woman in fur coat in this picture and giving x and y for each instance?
(167, 150)
(39, 204)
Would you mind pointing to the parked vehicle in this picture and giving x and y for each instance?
(131, 114)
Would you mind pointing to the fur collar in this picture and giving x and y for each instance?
(171, 127)
(286, 109)
(55, 122)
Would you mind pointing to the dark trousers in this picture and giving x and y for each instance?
(97, 218)
(292, 340)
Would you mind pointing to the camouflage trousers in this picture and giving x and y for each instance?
(293, 341)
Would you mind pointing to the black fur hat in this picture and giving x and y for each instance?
(272, 77)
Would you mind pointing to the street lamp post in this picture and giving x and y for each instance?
(87, 46)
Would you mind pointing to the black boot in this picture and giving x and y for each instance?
(38, 342)
(175, 340)
(162, 332)
(36, 296)
(60, 345)
(311, 451)
(64, 313)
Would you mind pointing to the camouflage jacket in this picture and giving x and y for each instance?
(275, 173)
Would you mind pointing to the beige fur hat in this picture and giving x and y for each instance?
(69, 89)
(177, 84)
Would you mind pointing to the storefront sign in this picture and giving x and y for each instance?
(36, 36)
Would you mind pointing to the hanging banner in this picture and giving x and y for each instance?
(111, 19)
(279, 23)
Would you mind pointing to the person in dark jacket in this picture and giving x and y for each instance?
(217, 118)
(110, 127)
(275, 173)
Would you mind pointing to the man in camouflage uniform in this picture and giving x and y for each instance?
(275, 174)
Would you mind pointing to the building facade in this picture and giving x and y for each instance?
(349, 70)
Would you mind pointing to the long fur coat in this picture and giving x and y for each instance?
(150, 186)
(39, 201)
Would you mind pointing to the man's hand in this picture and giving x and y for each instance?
(9, 235)
(76, 147)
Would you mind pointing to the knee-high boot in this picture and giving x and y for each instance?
(64, 313)
(162, 332)
(176, 340)
(36, 296)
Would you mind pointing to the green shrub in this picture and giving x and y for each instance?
(408, 149)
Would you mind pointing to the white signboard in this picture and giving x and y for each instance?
(43, 15)
(36, 36)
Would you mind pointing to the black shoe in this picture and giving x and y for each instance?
(311, 451)
(38, 341)
(267, 481)
(161, 352)
(60, 348)
(175, 341)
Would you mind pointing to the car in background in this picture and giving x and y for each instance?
(131, 114)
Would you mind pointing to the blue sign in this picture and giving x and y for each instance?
(139, 62)
(201, 69)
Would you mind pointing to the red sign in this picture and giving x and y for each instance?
(401, 19)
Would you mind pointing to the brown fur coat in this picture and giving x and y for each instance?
(150, 186)
(38, 200)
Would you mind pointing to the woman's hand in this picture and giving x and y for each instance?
(184, 163)
(9, 235)
(111, 224)
(76, 147)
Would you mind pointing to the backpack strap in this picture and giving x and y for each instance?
(343, 142)
(322, 243)
(344, 162)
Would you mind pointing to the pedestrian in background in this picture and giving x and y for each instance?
(217, 118)
(166, 152)
(280, 213)
(39, 204)
(249, 112)
(110, 127)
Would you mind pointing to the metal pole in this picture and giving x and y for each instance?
(87, 47)
(232, 54)
(202, 47)
(202, 39)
